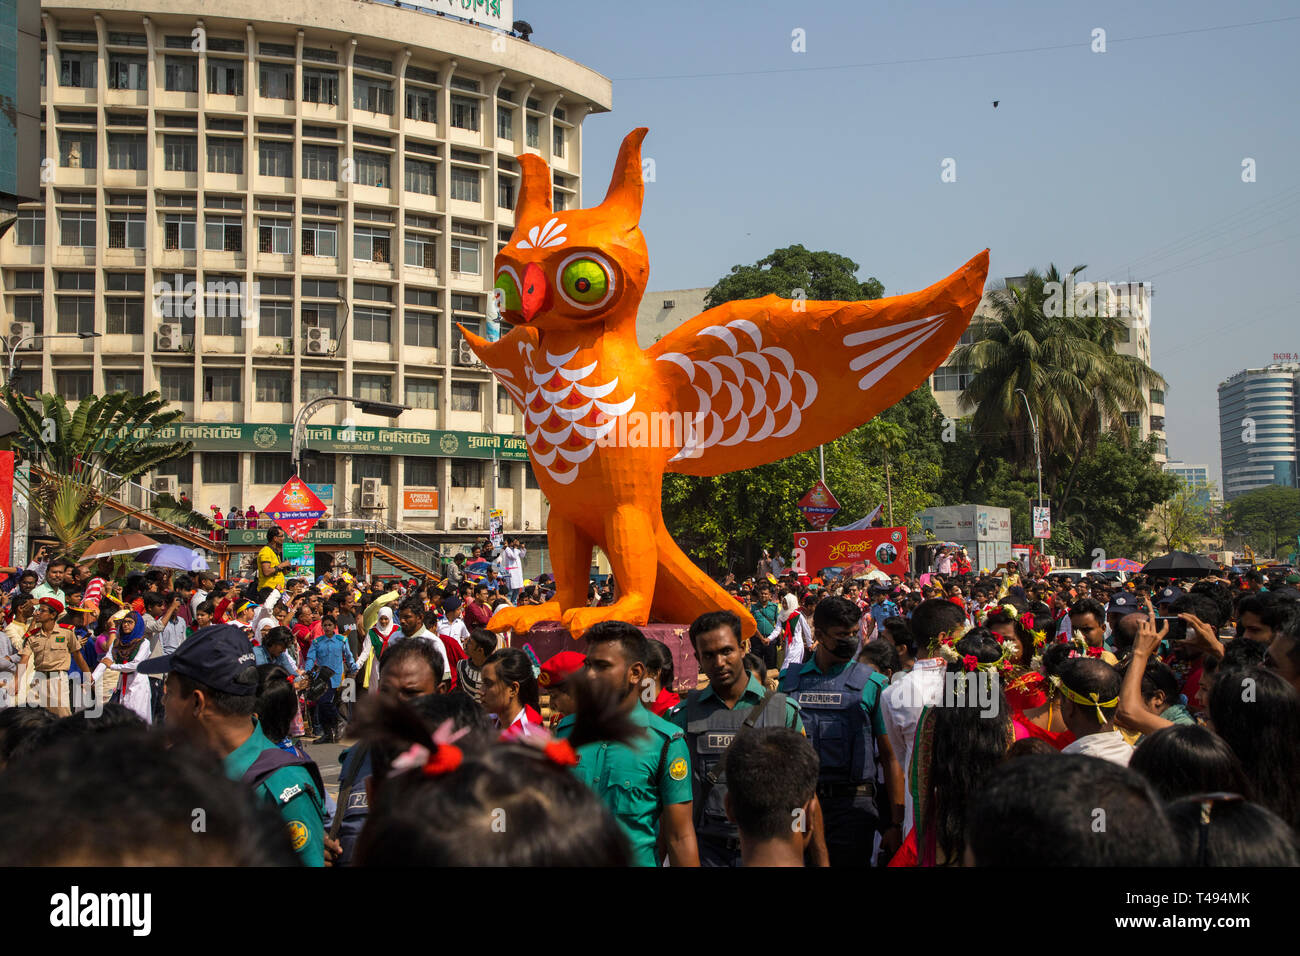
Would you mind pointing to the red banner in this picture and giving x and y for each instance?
(819, 505)
(6, 505)
(883, 548)
(295, 508)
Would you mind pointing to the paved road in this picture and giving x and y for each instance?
(327, 759)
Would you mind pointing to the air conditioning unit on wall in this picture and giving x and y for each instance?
(372, 493)
(462, 524)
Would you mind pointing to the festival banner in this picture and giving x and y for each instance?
(819, 505)
(6, 505)
(883, 548)
(295, 508)
(496, 526)
(22, 481)
(301, 556)
(1042, 522)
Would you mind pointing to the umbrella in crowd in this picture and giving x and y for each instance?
(1180, 564)
(1127, 565)
(174, 556)
(131, 542)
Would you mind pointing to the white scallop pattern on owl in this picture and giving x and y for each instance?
(540, 237)
(565, 414)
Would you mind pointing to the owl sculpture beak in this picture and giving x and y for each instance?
(533, 295)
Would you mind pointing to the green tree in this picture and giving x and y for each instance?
(84, 457)
(1063, 362)
(823, 277)
(1268, 518)
(886, 438)
(1182, 519)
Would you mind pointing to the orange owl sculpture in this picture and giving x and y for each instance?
(746, 383)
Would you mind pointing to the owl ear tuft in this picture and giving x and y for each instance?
(534, 187)
(626, 186)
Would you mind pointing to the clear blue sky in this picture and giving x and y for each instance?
(1128, 161)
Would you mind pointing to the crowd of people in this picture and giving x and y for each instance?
(925, 720)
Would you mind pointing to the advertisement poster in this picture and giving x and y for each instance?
(420, 501)
(323, 491)
(301, 555)
(295, 508)
(819, 505)
(883, 548)
(1042, 522)
(6, 506)
(22, 475)
(496, 526)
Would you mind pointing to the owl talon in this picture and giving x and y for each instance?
(578, 619)
(521, 619)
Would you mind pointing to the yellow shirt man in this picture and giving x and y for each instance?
(268, 560)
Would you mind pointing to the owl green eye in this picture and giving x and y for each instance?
(586, 280)
(506, 291)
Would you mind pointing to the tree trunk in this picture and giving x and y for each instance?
(889, 491)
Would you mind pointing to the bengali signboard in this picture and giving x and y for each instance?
(278, 437)
(301, 555)
(883, 548)
(316, 536)
(295, 508)
(488, 13)
(322, 490)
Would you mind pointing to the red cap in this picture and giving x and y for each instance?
(560, 668)
(54, 604)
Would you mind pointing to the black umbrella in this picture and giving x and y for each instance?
(1180, 564)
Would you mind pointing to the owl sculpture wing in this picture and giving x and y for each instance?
(507, 358)
(763, 379)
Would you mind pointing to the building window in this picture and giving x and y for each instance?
(421, 250)
(28, 381)
(421, 330)
(275, 319)
(127, 151)
(124, 316)
(181, 74)
(72, 385)
(465, 256)
(466, 474)
(1157, 396)
(320, 238)
(374, 96)
(31, 227)
(126, 230)
(120, 380)
(505, 192)
(420, 472)
(270, 468)
(226, 156)
(421, 105)
(182, 468)
(219, 467)
(77, 228)
(503, 474)
(371, 245)
(180, 153)
(422, 392)
(505, 123)
(320, 162)
(226, 77)
(318, 315)
(532, 132)
(76, 150)
(465, 396)
(557, 147)
(179, 231)
(421, 177)
(1132, 419)
(274, 158)
(530, 477)
(28, 308)
(320, 86)
(948, 379)
(371, 466)
(223, 234)
(375, 388)
(77, 69)
(371, 168)
(319, 384)
(275, 82)
(222, 385)
(464, 113)
(75, 314)
(371, 325)
(275, 235)
(505, 404)
(465, 184)
(127, 72)
(274, 385)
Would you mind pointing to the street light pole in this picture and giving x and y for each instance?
(13, 349)
(368, 406)
(1037, 456)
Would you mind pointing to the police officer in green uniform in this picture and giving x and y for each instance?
(645, 784)
(211, 692)
(841, 711)
(733, 703)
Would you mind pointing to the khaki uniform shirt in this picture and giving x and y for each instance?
(52, 652)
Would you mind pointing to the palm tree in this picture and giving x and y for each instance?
(1078, 386)
(82, 458)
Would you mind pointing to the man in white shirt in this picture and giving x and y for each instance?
(206, 581)
(512, 564)
(902, 702)
(1089, 701)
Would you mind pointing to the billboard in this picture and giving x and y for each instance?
(420, 501)
(488, 13)
(883, 548)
